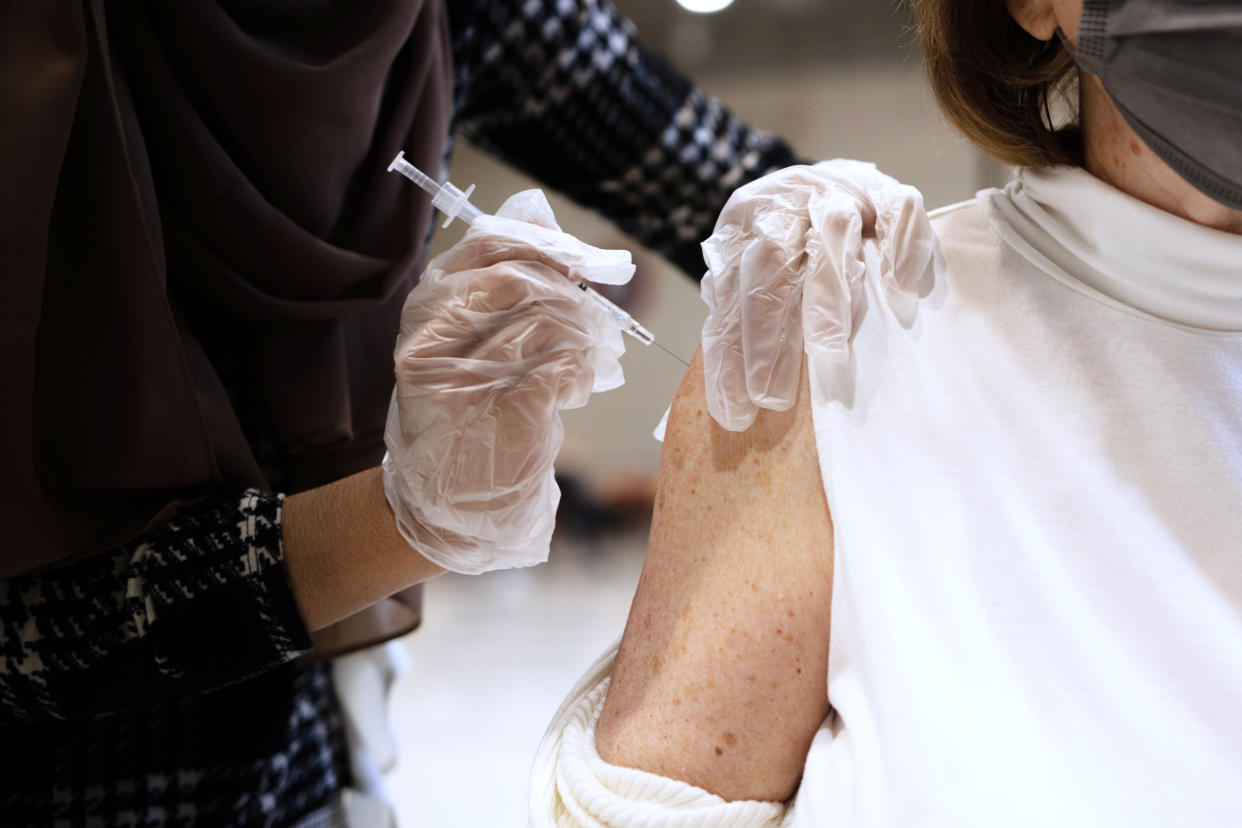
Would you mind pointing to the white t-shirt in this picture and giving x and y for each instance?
(1036, 492)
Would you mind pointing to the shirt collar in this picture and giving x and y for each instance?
(1139, 255)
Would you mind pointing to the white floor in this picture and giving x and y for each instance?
(491, 663)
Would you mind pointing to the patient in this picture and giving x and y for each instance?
(987, 568)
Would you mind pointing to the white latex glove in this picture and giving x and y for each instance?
(495, 340)
(784, 262)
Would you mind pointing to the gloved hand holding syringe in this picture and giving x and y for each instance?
(455, 203)
(496, 340)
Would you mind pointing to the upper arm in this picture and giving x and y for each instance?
(721, 678)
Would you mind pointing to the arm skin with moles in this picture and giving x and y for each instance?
(721, 677)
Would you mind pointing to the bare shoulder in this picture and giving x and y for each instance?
(721, 679)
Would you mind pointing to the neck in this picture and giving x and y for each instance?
(1115, 154)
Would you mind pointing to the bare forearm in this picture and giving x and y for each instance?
(343, 549)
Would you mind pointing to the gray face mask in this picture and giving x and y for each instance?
(1174, 70)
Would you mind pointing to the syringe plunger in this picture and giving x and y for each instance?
(446, 198)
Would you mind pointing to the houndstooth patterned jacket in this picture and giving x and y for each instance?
(565, 91)
(155, 685)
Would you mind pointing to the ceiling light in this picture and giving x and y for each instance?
(704, 6)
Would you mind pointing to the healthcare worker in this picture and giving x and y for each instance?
(205, 269)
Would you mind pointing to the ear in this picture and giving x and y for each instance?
(1037, 17)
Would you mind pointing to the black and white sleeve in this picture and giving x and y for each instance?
(565, 91)
(202, 601)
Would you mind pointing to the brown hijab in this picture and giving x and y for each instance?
(163, 161)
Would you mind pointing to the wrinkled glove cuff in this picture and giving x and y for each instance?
(452, 550)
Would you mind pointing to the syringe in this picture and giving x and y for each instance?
(455, 203)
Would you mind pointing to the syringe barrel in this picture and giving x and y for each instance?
(454, 203)
(624, 321)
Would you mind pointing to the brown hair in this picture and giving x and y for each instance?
(994, 81)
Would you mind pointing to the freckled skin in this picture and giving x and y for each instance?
(712, 586)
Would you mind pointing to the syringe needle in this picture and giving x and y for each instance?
(670, 353)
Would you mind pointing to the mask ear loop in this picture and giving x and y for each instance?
(1076, 54)
(1062, 94)
(1095, 47)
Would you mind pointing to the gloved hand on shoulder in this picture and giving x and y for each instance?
(784, 266)
(496, 340)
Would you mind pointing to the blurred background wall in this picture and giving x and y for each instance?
(837, 78)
